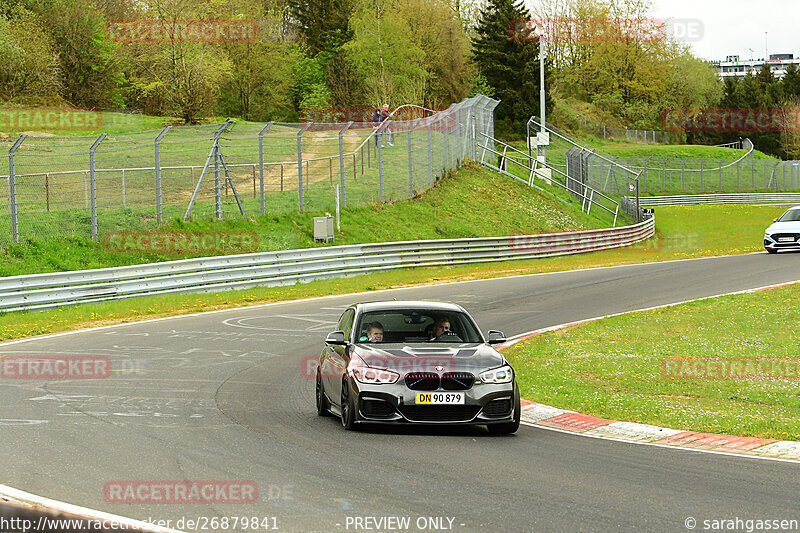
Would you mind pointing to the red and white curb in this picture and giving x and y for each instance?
(548, 417)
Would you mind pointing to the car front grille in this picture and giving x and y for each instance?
(777, 237)
(498, 407)
(439, 413)
(422, 381)
(457, 381)
(374, 408)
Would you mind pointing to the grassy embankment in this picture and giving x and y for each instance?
(726, 365)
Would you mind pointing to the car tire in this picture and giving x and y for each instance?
(348, 410)
(322, 402)
(771, 250)
(508, 428)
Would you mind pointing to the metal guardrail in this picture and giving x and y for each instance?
(271, 269)
(698, 199)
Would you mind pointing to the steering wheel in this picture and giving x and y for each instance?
(449, 336)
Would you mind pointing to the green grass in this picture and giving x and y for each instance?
(471, 202)
(617, 367)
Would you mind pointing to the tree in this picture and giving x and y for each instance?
(29, 68)
(510, 65)
(791, 82)
(436, 30)
(90, 66)
(382, 52)
(322, 23)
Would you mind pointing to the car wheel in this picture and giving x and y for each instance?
(508, 427)
(322, 401)
(771, 250)
(348, 411)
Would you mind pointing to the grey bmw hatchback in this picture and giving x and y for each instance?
(415, 363)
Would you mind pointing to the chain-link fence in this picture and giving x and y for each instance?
(631, 135)
(669, 175)
(86, 186)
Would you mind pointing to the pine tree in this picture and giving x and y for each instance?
(510, 64)
(791, 82)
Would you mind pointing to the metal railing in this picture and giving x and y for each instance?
(699, 199)
(39, 291)
(588, 196)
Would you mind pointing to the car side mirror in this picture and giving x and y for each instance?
(336, 337)
(496, 337)
(774, 219)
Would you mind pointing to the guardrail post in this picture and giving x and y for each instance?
(341, 162)
(300, 164)
(158, 173)
(261, 166)
(93, 183)
(12, 187)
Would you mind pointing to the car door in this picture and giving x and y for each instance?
(336, 359)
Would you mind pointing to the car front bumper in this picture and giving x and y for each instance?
(484, 403)
(772, 242)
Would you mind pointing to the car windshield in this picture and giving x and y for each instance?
(792, 215)
(416, 326)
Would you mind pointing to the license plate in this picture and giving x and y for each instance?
(441, 398)
(786, 239)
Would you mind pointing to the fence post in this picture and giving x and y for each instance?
(341, 162)
(702, 183)
(683, 175)
(124, 200)
(93, 183)
(300, 163)
(261, 166)
(430, 157)
(12, 186)
(410, 163)
(446, 156)
(158, 173)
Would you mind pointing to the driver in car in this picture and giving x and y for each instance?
(440, 326)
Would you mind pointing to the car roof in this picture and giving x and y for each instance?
(408, 304)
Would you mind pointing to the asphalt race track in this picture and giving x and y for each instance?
(222, 396)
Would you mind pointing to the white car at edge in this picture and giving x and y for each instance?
(784, 233)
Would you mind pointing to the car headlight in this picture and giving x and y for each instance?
(503, 374)
(365, 374)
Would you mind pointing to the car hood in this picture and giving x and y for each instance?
(431, 357)
(785, 227)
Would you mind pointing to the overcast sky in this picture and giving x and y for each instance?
(733, 27)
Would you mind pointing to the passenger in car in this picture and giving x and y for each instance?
(375, 332)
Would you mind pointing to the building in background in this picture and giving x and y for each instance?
(734, 67)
